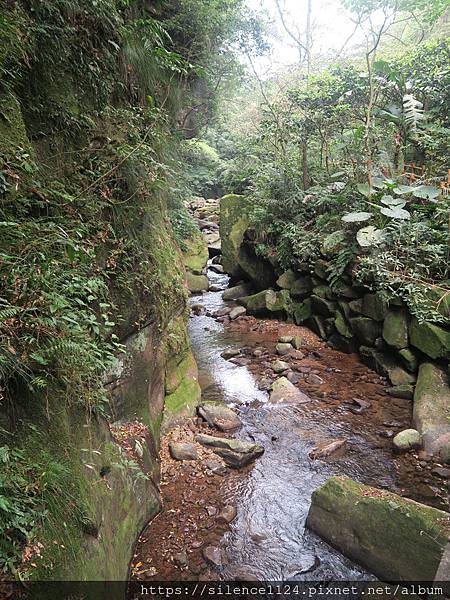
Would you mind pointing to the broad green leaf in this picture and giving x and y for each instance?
(364, 189)
(356, 217)
(393, 202)
(396, 213)
(369, 236)
(426, 191)
(404, 189)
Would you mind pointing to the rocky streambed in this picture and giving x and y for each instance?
(227, 518)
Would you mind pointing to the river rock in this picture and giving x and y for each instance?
(334, 449)
(279, 366)
(182, 451)
(238, 291)
(408, 439)
(181, 559)
(264, 384)
(239, 311)
(197, 283)
(227, 514)
(395, 538)
(219, 416)
(198, 309)
(230, 353)
(374, 307)
(283, 349)
(284, 392)
(297, 342)
(431, 410)
(235, 453)
(213, 555)
(314, 379)
(217, 269)
(286, 339)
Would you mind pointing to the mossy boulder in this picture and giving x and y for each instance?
(287, 279)
(366, 330)
(279, 301)
(177, 371)
(257, 303)
(409, 359)
(256, 268)
(431, 412)
(386, 365)
(302, 311)
(374, 306)
(432, 340)
(395, 538)
(321, 326)
(233, 224)
(342, 325)
(196, 254)
(197, 283)
(301, 286)
(395, 329)
(324, 291)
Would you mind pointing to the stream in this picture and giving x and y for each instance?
(267, 540)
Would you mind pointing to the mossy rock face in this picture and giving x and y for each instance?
(182, 382)
(257, 303)
(395, 538)
(395, 329)
(366, 330)
(374, 307)
(323, 307)
(12, 126)
(177, 372)
(258, 269)
(302, 311)
(196, 255)
(386, 365)
(342, 326)
(301, 286)
(287, 279)
(279, 301)
(233, 224)
(432, 340)
(356, 306)
(321, 326)
(321, 269)
(431, 413)
(197, 283)
(324, 291)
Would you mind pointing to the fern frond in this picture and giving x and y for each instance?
(412, 111)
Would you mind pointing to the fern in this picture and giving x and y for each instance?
(412, 111)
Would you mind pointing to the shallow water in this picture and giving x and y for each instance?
(268, 539)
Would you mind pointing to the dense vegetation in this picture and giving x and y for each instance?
(95, 100)
(350, 161)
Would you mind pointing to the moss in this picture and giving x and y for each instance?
(395, 538)
(395, 329)
(196, 254)
(342, 325)
(177, 371)
(12, 127)
(430, 339)
(183, 401)
(197, 283)
(233, 223)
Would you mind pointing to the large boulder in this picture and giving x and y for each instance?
(287, 279)
(197, 283)
(408, 439)
(386, 365)
(431, 412)
(432, 340)
(233, 223)
(219, 416)
(395, 538)
(366, 330)
(374, 307)
(257, 268)
(195, 255)
(395, 329)
(238, 291)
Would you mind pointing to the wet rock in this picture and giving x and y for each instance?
(284, 392)
(230, 353)
(242, 362)
(307, 563)
(227, 514)
(314, 379)
(239, 311)
(181, 559)
(223, 311)
(279, 366)
(257, 353)
(361, 405)
(392, 424)
(286, 339)
(432, 340)
(293, 377)
(296, 355)
(388, 434)
(283, 349)
(215, 466)
(264, 384)
(441, 472)
(197, 283)
(235, 453)
(219, 416)
(215, 288)
(409, 359)
(401, 391)
(245, 574)
(408, 439)
(198, 309)
(334, 449)
(213, 555)
(217, 269)
(369, 526)
(238, 291)
(182, 451)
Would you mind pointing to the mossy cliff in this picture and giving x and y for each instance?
(94, 351)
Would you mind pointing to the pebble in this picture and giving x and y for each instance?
(213, 555)
(181, 559)
(227, 514)
(314, 379)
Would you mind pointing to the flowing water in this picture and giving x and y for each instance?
(268, 538)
